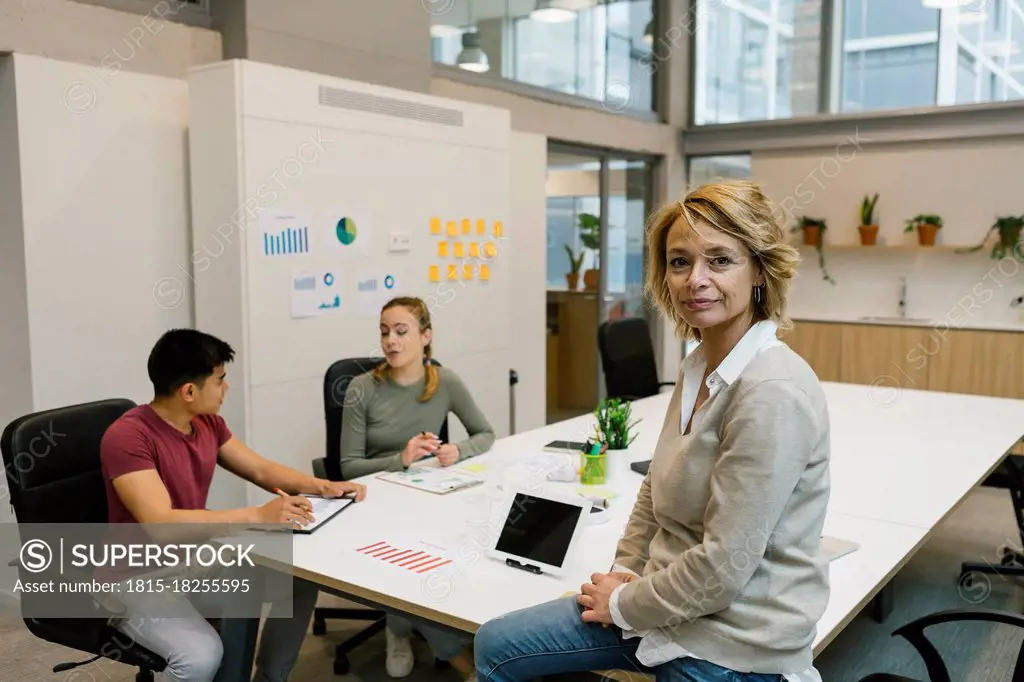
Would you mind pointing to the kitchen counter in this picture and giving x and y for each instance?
(963, 322)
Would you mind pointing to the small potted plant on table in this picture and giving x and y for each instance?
(614, 429)
(927, 226)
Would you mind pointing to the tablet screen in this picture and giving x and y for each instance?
(538, 529)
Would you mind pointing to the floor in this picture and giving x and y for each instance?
(976, 651)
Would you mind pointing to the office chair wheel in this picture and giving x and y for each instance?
(341, 666)
(319, 626)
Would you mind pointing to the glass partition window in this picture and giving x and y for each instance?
(705, 169)
(756, 60)
(599, 49)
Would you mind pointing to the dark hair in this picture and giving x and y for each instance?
(183, 356)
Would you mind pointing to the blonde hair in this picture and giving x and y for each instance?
(418, 309)
(741, 210)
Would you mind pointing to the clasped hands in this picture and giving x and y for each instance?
(596, 596)
(427, 444)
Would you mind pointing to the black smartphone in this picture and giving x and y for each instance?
(565, 446)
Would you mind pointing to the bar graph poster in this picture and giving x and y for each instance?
(285, 234)
(315, 292)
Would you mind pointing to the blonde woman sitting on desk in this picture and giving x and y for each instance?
(719, 574)
(402, 402)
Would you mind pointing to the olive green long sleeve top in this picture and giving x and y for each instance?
(381, 417)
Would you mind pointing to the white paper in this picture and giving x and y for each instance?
(315, 292)
(346, 231)
(285, 234)
(374, 288)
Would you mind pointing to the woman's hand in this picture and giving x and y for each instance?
(342, 489)
(596, 596)
(447, 454)
(419, 447)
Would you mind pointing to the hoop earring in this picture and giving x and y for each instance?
(757, 294)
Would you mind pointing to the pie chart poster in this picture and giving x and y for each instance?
(347, 232)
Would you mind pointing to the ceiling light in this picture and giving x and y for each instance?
(945, 4)
(547, 12)
(472, 57)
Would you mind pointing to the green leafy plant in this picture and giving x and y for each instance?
(923, 219)
(614, 423)
(575, 262)
(820, 223)
(1009, 229)
(590, 233)
(867, 209)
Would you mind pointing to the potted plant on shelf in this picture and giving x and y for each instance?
(927, 227)
(813, 230)
(614, 429)
(590, 235)
(868, 227)
(1009, 229)
(572, 278)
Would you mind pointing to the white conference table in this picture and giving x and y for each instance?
(898, 468)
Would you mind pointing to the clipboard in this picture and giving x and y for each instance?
(432, 480)
(835, 548)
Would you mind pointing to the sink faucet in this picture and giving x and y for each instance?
(903, 297)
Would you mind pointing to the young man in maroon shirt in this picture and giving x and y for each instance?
(158, 461)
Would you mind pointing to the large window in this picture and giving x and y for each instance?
(761, 60)
(756, 60)
(599, 49)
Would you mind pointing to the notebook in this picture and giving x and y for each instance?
(432, 480)
(836, 547)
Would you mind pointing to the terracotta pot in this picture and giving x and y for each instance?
(868, 234)
(591, 278)
(926, 233)
(572, 280)
(812, 235)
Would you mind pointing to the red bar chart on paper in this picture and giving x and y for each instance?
(421, 558)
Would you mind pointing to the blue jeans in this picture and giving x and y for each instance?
(552, 639)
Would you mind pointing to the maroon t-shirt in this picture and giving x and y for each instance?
(140, 439)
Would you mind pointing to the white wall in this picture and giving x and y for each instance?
(103, 211)
(528, 302)
(968, 183)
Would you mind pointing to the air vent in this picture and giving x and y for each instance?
(388, 106)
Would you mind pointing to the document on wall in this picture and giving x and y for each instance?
(314, 292)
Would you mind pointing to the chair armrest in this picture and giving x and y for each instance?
(913, 632)
(320, 467)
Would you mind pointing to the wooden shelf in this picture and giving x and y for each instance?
(945, 248)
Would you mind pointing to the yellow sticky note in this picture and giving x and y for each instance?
(458, 249)
(490, 250)
(481, 226)
(570, 594)
(475, 468)
(474, 250)
(485, 272)
(453, 229)
(498, 228)
(442, 249)
(467, 271)
(467, 225)
(435, 273)
(453, 272)
(435, 226)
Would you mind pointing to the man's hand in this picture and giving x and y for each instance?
(290, 509)
(447, 454)
(341, 489)
(595, 598)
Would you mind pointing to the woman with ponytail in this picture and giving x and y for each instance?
(390, 420)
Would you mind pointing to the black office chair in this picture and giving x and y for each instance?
(69, 473)
(627, 358)
(1011, 561)
(913, 632)
(336, 381)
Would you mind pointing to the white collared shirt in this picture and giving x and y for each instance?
(656, 647)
